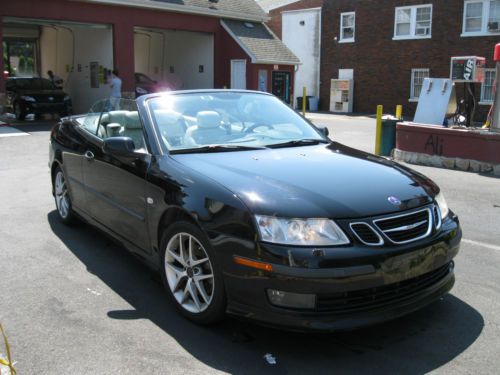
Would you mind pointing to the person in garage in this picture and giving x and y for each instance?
(116, 90)
(56, 80)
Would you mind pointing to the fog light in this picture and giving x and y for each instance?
(294, 300)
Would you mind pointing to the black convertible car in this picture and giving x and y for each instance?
(245, 207)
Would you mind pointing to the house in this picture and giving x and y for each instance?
(298, 24)
(194, 43)
(389, 47)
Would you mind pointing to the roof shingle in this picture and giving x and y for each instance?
(248, 7)
(260, 43)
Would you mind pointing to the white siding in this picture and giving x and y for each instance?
(304, 41)
(157, 52)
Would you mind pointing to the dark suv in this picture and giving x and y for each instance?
(37, 96)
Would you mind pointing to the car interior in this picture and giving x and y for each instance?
(122, 123)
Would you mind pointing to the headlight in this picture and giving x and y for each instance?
(28, 98)
(443, 207)
(67, 98)
(305, 232)
(140, 90)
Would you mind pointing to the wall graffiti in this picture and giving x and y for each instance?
(434, 144)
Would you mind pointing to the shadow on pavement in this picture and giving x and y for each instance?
(34, 126)
(415, 344)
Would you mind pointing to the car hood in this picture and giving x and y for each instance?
(315, 181)
(35, 93)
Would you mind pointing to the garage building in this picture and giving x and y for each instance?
(187, 44)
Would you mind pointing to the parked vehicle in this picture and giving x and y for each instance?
(145, 85)
(36, 95)
(246, 208)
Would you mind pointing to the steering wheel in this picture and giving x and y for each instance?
(250, 129)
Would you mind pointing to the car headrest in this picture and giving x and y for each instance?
(165, 117)
(132, 121)
(113, 129)
(208, 119)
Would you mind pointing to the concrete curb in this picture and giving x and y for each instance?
(467, 165)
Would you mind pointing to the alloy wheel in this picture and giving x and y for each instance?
(189, 273)
(62, 198)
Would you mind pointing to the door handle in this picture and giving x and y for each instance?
(89, 155)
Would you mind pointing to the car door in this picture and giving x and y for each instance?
(73, 136)
(115, 186)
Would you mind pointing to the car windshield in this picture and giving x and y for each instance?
(35, 84)
(228, 121)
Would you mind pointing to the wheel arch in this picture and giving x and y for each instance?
(56, 163)
(170, 216)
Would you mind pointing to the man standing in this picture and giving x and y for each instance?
(116, 90)
(56, 80)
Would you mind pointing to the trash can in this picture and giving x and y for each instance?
(388, 136)
(299, 102)
(313, 103)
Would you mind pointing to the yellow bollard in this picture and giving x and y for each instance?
(378, 134)
(304, 101)
(399, 112)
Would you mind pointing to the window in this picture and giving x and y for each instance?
(481, 17)
(417, 80)
(487, 86)
(414, 22)
(347, 25)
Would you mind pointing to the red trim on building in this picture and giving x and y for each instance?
(122, 19)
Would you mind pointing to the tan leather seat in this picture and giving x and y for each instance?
(207, 131)
(112, 118)
(133, 129)
(172, 126)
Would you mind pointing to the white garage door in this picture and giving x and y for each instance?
(239, 74)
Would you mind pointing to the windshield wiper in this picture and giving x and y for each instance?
(298, 142)
(216, 148)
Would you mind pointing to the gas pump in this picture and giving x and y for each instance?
(495, 109)
(466, 70)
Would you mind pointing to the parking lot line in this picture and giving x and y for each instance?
(9, 131)
(483, 244)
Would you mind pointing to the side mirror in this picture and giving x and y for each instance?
(324, 130)
(119, 146)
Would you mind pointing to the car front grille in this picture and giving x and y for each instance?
(45, 99)
(366, 234)
(406, 227)
(397, 229)
(380, 297)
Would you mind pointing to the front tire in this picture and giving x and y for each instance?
(62, 198)
(19, 111)
(191, 274)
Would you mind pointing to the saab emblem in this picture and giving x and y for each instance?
(51, 98)
(393, 200)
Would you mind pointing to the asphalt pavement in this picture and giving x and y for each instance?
(74, 302)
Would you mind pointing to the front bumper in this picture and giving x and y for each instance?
(40, 108)
(372, 286)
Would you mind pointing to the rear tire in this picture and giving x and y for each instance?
(191, 274)
(62, 198)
